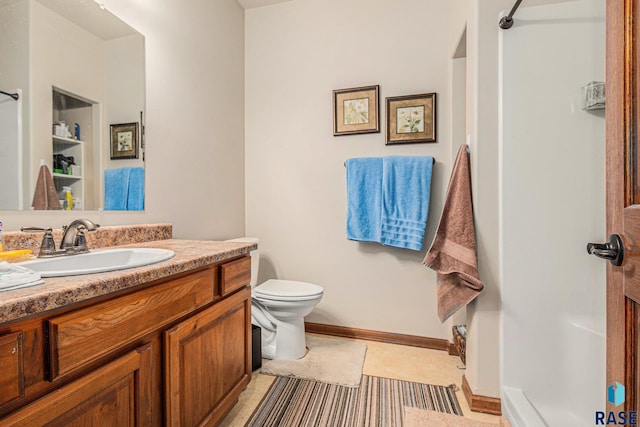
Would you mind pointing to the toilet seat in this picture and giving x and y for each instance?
(287, 290)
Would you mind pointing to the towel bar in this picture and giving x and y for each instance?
(434, 162)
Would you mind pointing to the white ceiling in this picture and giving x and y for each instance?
(88, 15)
(250, 4)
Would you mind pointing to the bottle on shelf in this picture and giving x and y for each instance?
(68, 199)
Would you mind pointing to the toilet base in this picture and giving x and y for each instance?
(290, 340)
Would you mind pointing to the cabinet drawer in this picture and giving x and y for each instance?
(11, 368)
(85, 335)
(234, 275)
(117, 394)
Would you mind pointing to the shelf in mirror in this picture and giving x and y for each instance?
(63, 176)
(59, 140)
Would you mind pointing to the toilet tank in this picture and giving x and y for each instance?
(255, 256)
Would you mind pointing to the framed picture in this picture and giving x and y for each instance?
(411, 119)
(356, 110)
(124, 141)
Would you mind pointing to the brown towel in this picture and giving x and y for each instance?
(45, 196)
(453, 252)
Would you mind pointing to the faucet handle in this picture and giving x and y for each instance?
(80, 242)
(35, 229)
(48, 245)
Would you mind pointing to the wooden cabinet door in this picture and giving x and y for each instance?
(623, 201)
(208, 362)
(11, 368)
(118, 394)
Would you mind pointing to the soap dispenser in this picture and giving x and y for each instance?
(68, 198)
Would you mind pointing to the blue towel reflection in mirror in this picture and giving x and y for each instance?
(124, 189)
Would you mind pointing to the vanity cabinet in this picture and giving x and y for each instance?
(172, 352)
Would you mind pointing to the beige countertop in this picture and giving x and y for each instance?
(58, 292)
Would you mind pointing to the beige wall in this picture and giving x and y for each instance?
(195, 120)
(297, 53)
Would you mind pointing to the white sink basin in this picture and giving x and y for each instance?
(98, 261)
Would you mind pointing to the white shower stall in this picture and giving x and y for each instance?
(552, 204)
(11, 149)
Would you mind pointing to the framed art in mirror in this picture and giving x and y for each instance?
(411, 119)
(124, 141)
(356, 110)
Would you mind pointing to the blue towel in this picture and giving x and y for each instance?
(406, 186)
(135, 198)
(116, 189)
(364, 199)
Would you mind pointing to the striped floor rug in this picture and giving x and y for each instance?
(377, 402)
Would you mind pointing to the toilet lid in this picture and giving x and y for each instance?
(287, 289)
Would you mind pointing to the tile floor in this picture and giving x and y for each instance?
(383, 360)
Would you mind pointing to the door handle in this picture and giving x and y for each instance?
(612, 250)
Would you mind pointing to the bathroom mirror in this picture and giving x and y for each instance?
(78, 71)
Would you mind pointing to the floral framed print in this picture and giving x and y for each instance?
(124, 141)
(356, 110)
(411, 119)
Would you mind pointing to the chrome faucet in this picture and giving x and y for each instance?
(73, 239)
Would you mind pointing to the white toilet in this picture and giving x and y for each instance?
(279, 308)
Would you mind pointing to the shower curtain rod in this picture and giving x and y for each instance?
(13, 95)
(506, 22)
